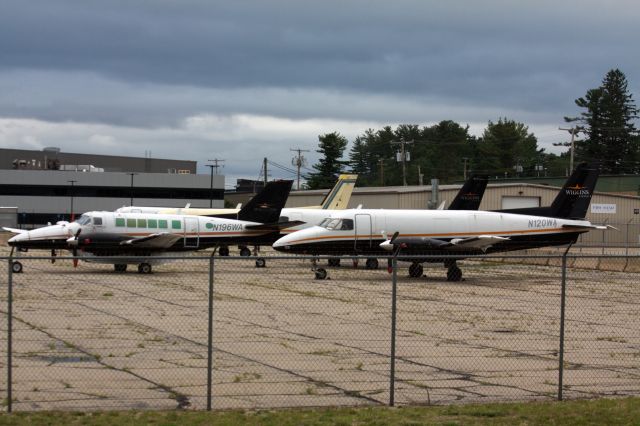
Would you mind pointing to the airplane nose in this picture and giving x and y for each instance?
(282, 244)
(18, 238)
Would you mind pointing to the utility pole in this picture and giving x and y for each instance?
(215, 165)
(465, 159)
(298, 161)
(264, 168)
(403, 157)
(381, 162)
(71, 215)
(573, 131)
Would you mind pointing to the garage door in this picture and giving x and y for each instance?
(511, 202)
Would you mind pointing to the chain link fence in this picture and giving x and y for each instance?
(218, 332)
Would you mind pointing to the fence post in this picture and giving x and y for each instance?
(562, 308)
(10, 336)
(392, 373)
(210, 334)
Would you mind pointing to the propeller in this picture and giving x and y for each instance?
(53, 256)
(73, 242)
(389, 245)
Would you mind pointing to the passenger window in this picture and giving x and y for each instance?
(120, 222)
(152, 223)
(97, 221)
(162, 224)
(175, 224)
(131, 223)
(142, 223)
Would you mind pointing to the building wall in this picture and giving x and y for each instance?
(110, 191)
(110, 163)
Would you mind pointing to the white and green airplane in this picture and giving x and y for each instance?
(337, 199)
(136, 238)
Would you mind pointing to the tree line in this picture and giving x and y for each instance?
(604, 131)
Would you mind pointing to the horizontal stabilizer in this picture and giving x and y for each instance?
(275, 226)
(587, 227)
(14, 230)
(155, 241)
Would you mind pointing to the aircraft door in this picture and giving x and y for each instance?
(362, 239)
(191, 232)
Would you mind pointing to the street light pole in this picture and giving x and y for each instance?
(211, 166)
(131, 191)
(71, 215)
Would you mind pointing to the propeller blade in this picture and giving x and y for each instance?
(75, 256)
(53, 256)
(395, 235)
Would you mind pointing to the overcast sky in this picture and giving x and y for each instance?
(242, 80)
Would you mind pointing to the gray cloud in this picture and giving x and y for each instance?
(140, 67)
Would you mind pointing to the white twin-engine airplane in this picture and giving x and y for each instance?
(137, 237)
(422, 235)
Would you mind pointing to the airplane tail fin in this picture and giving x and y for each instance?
(339, 196)
(265, 207)
(573, 199)
(470, 195)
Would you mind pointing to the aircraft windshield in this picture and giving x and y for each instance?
(83, 220)
(337, 224)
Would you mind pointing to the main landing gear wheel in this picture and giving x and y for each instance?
(245, 252)
(120, 267)
(415, 270)
(454, 273)
(372, 263)
(224, 251)
(16, 267)
(321, 274)
(261, 262)
(333, 261)
(144, 268)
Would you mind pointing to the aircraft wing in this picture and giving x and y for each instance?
(481, 242)
(154, 241)
(275, 226)
(14, 230)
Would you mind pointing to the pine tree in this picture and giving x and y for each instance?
(608, 121)
(332, 146)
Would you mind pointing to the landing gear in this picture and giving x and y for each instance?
(321, 274)
(372, 263)
(245, 252)
(454, 273)
(144, 268)
(120, 267)
(261, 262)
(223, 251)
(415, 270)
(333, 261)
(16, 267)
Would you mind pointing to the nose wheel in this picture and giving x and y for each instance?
(16, 267)
(320, 273)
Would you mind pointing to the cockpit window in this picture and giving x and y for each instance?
(337, 224)
(84, 220)
(97, 221)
